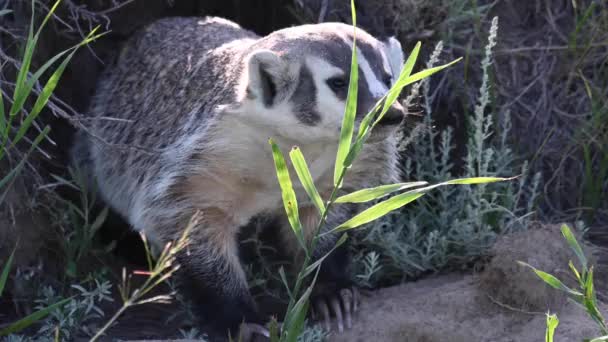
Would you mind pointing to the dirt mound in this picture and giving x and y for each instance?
(505, 302)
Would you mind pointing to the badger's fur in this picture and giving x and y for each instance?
(182, 121)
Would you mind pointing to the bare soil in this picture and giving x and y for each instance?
(504, 302)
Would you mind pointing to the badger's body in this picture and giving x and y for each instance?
(182, 122)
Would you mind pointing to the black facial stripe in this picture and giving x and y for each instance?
(305, 97)
(375, 60)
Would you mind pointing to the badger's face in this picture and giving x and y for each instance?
(297, 80)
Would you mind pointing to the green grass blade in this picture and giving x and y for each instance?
(22, 93)
(42, 99)
(427, 72)
(31, 319)
(398, 201)
(294, 323)
(477, 180)
(370, 194)
(273, 330)
(4, 12)
(3, 123)
(599, 339)
(25, 63)
(303, 172)
(350, 111)
(552, 281)
(577, 275)
(46, 18)
(285, 282)
(395, 90)
(552, 323)
(378, 210)
(4, 182)
(317, 263)
(567, 233)
(289, 196)
(49, 87)
(5, 271)
(589, 291)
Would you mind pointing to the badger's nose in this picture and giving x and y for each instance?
(394, 115)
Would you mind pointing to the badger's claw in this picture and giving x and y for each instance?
(343, 305)
(250, 332)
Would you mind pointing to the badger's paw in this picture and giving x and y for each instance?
(252, 332)
(342, 304)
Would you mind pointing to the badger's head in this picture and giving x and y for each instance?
(296, 80)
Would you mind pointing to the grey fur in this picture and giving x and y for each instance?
(173, 94)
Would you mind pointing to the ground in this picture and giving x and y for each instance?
(503, 301)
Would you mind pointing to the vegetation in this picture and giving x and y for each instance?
(551, 79)
(348, 150)
(585, 294)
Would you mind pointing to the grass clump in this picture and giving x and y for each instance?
(584, 294)
(16, 122)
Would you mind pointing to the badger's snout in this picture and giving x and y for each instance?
(394, 115)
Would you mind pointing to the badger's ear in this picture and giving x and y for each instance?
(395, 56)
(268, 76)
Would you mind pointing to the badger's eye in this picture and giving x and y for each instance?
(337, 83)
(388, 80)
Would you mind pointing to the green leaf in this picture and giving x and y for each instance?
(20, 93)
(428, 72)
(576, 274)
(3, 129)
(317, 263)
(99, 220)
(5, 182)
(273, 330)
(398, 201)
(370, 194)
(49, 87)
(478, 180)
(395, 90)
(25, 65)
(567, 233)
(552, 280)
(31, 319)
(589, 293)
(599, 339)
(552, 323)
(350, 111)
(378, 210)
(303, 172)
(42, 99)
(4, 12)
(289, 196)
(5, 271)
(294, 322)
(285, 282)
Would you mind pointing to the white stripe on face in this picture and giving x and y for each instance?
(376, 87)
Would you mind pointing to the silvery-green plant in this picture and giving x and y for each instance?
(452, 225)
(79, 315)
(349, 147)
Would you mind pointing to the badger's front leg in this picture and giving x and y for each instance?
(212, 276)
(334, 293)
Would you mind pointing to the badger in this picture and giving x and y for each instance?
(180, 124)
